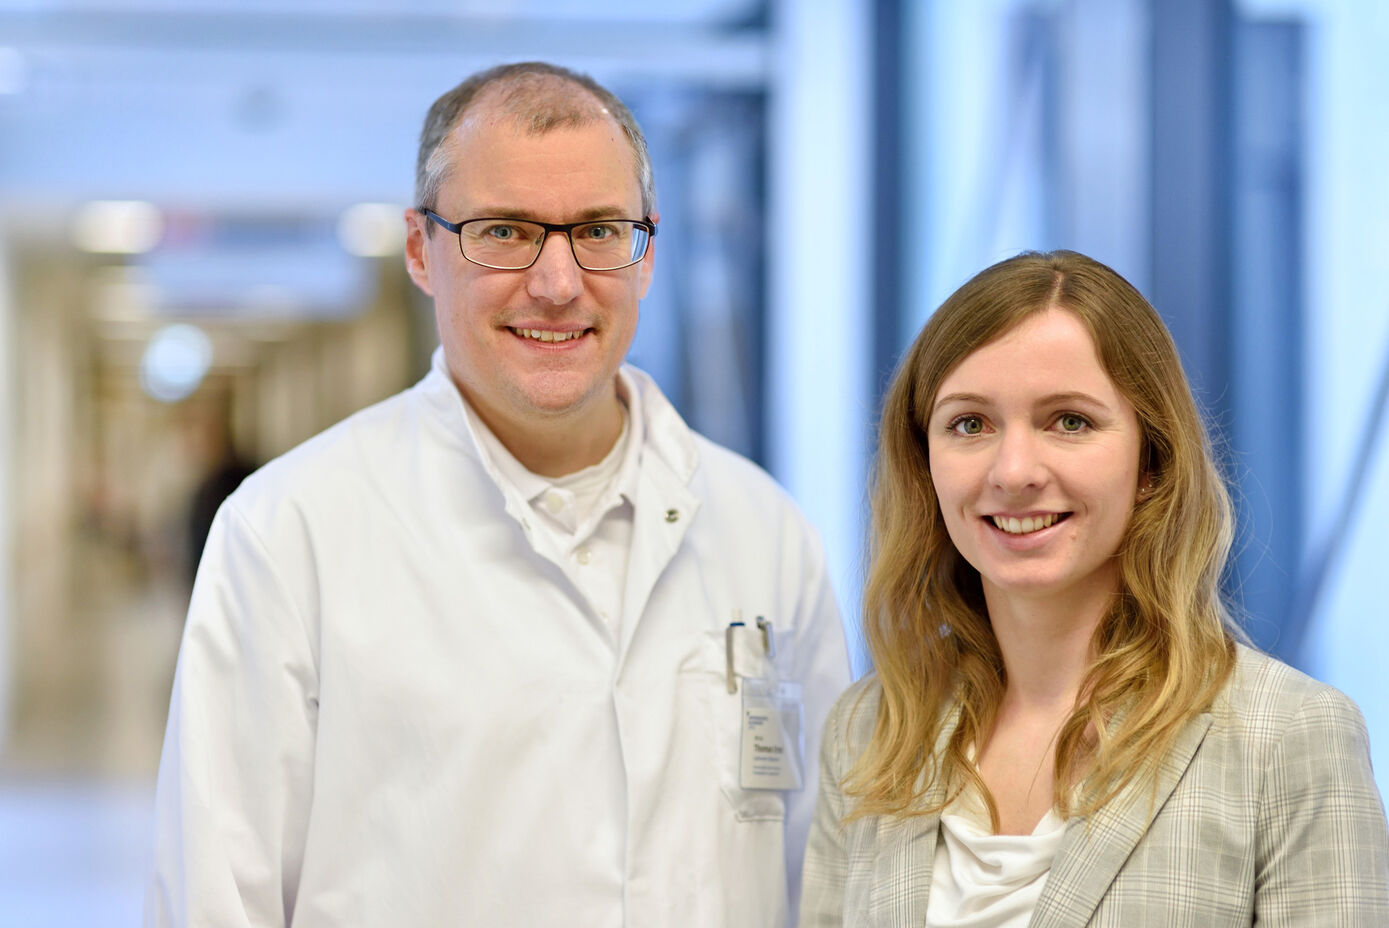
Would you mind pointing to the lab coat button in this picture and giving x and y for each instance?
(583, 555)
(672, 515)
(554, 502)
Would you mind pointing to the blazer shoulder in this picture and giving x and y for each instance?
(1265, 692)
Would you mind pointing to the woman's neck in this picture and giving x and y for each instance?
(1047, 647)
(1046, 642)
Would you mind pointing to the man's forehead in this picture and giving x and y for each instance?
(505, 176)
(535, 103)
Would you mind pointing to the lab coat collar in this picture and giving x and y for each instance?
(657, 428)
(661, 445)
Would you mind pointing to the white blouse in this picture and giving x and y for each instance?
(983, 880)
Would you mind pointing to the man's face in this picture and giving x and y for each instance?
(538, 347)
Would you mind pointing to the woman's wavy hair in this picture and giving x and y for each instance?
(1164, 649)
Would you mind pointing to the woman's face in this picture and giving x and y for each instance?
(1034, 457)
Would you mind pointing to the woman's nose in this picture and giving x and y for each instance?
(1017, 464)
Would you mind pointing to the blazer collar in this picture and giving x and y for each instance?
(1090, 857)
(1093, 851)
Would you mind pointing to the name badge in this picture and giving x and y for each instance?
(773, 755)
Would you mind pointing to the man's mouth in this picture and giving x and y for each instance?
(1027, 524)
(548, 335)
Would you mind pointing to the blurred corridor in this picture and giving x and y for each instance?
(115, 486)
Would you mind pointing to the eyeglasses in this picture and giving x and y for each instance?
(514, 244)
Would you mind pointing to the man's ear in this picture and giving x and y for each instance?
(644, 274)
(417, 250)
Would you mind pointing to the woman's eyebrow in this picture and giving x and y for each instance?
(1072, 396)
(969, 399)
(1062, 398)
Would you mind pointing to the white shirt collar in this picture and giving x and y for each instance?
(656, 428)
(529, 486)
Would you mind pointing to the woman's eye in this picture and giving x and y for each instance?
(967, 425)
(1070, 422)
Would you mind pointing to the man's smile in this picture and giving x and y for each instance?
(549, 335)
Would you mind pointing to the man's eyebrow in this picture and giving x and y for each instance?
(584, 215)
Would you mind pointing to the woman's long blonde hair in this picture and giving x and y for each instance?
(1162, 652)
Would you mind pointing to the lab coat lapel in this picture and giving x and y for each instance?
(662, 513)
(663, 505)
(1093, 851)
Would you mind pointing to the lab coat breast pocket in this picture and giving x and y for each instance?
(745, 654)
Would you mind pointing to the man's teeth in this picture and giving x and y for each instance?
(1015, 526)
(547, 335)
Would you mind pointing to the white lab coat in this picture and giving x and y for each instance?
(391, 710)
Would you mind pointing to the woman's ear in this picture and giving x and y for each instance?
(1147, 475)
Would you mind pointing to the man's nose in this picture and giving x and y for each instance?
(555, 276)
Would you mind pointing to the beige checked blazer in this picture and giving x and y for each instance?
(1265, 812)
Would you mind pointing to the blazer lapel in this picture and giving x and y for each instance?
(1092, 852)
(906, 852)
(902, 871)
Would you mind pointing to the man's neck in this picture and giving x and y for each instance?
(560, 445)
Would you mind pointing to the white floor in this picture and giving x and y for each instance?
(79, 758)
(73, 854)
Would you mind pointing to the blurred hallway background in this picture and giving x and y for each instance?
(200, 226)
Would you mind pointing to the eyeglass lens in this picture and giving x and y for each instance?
(597, 246)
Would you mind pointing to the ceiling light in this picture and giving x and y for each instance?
(372, 230)
(175, 362)
(123, 227)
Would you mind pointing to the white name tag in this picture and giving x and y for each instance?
(773, 755)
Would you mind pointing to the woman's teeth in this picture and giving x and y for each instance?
(1015, 526)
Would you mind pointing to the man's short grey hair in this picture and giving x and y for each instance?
(540, 97)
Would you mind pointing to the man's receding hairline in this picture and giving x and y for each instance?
(537, 102)
(518, 100)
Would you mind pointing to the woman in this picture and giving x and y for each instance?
(1063, 727)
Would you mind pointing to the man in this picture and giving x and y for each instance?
(514, 647)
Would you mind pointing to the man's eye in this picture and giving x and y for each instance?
(1070, 422)
(598, 233)
(500, 233)
(967, 425)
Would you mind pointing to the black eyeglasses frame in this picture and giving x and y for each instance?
(565, 228)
